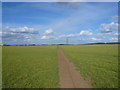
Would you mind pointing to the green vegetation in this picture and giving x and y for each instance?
(30, 67)
(98, 63)
(37, 66)
(0, 67)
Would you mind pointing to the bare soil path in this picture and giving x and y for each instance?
(69, 77)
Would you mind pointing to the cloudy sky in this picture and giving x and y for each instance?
(54, 22)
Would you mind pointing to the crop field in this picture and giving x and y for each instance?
(0, 67)
(96, 63)
(30, 67)
(37, 66)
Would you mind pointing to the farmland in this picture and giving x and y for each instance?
(0, 67)
(97, 63)
(30, 67)
(37, 66)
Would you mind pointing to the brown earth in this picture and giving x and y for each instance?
(69, 76)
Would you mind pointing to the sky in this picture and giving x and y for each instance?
(55, 22)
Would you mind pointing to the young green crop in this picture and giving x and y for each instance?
(30, 67)
(0, 67)
(37, 67)
(97, 63)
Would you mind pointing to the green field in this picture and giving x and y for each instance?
(97, 63)
(0, 67)
(30, 67)
(37, 66)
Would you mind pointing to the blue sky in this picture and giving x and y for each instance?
(53, 22)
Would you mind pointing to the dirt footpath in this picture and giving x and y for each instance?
(69, 77)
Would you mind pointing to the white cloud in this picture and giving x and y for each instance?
(115, 18)
(0, 31)
(69, 35)
(107, 28)
(96, 39)
(86, 32)
(72, 35)
(45, 37)
(21, 30)
(113, 39)
(49, 31)
(18, 35)
(82, 39)
(61, 36)
(116, 34)
(109, 34)
(48, 34)
(91, 39)
(82, 33)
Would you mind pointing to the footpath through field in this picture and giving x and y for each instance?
(69, 77)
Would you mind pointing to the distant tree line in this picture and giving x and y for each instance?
(60, 44)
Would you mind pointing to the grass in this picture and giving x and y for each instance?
(30, 67)
(97, 63)
(37, 66)
(0, 67)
